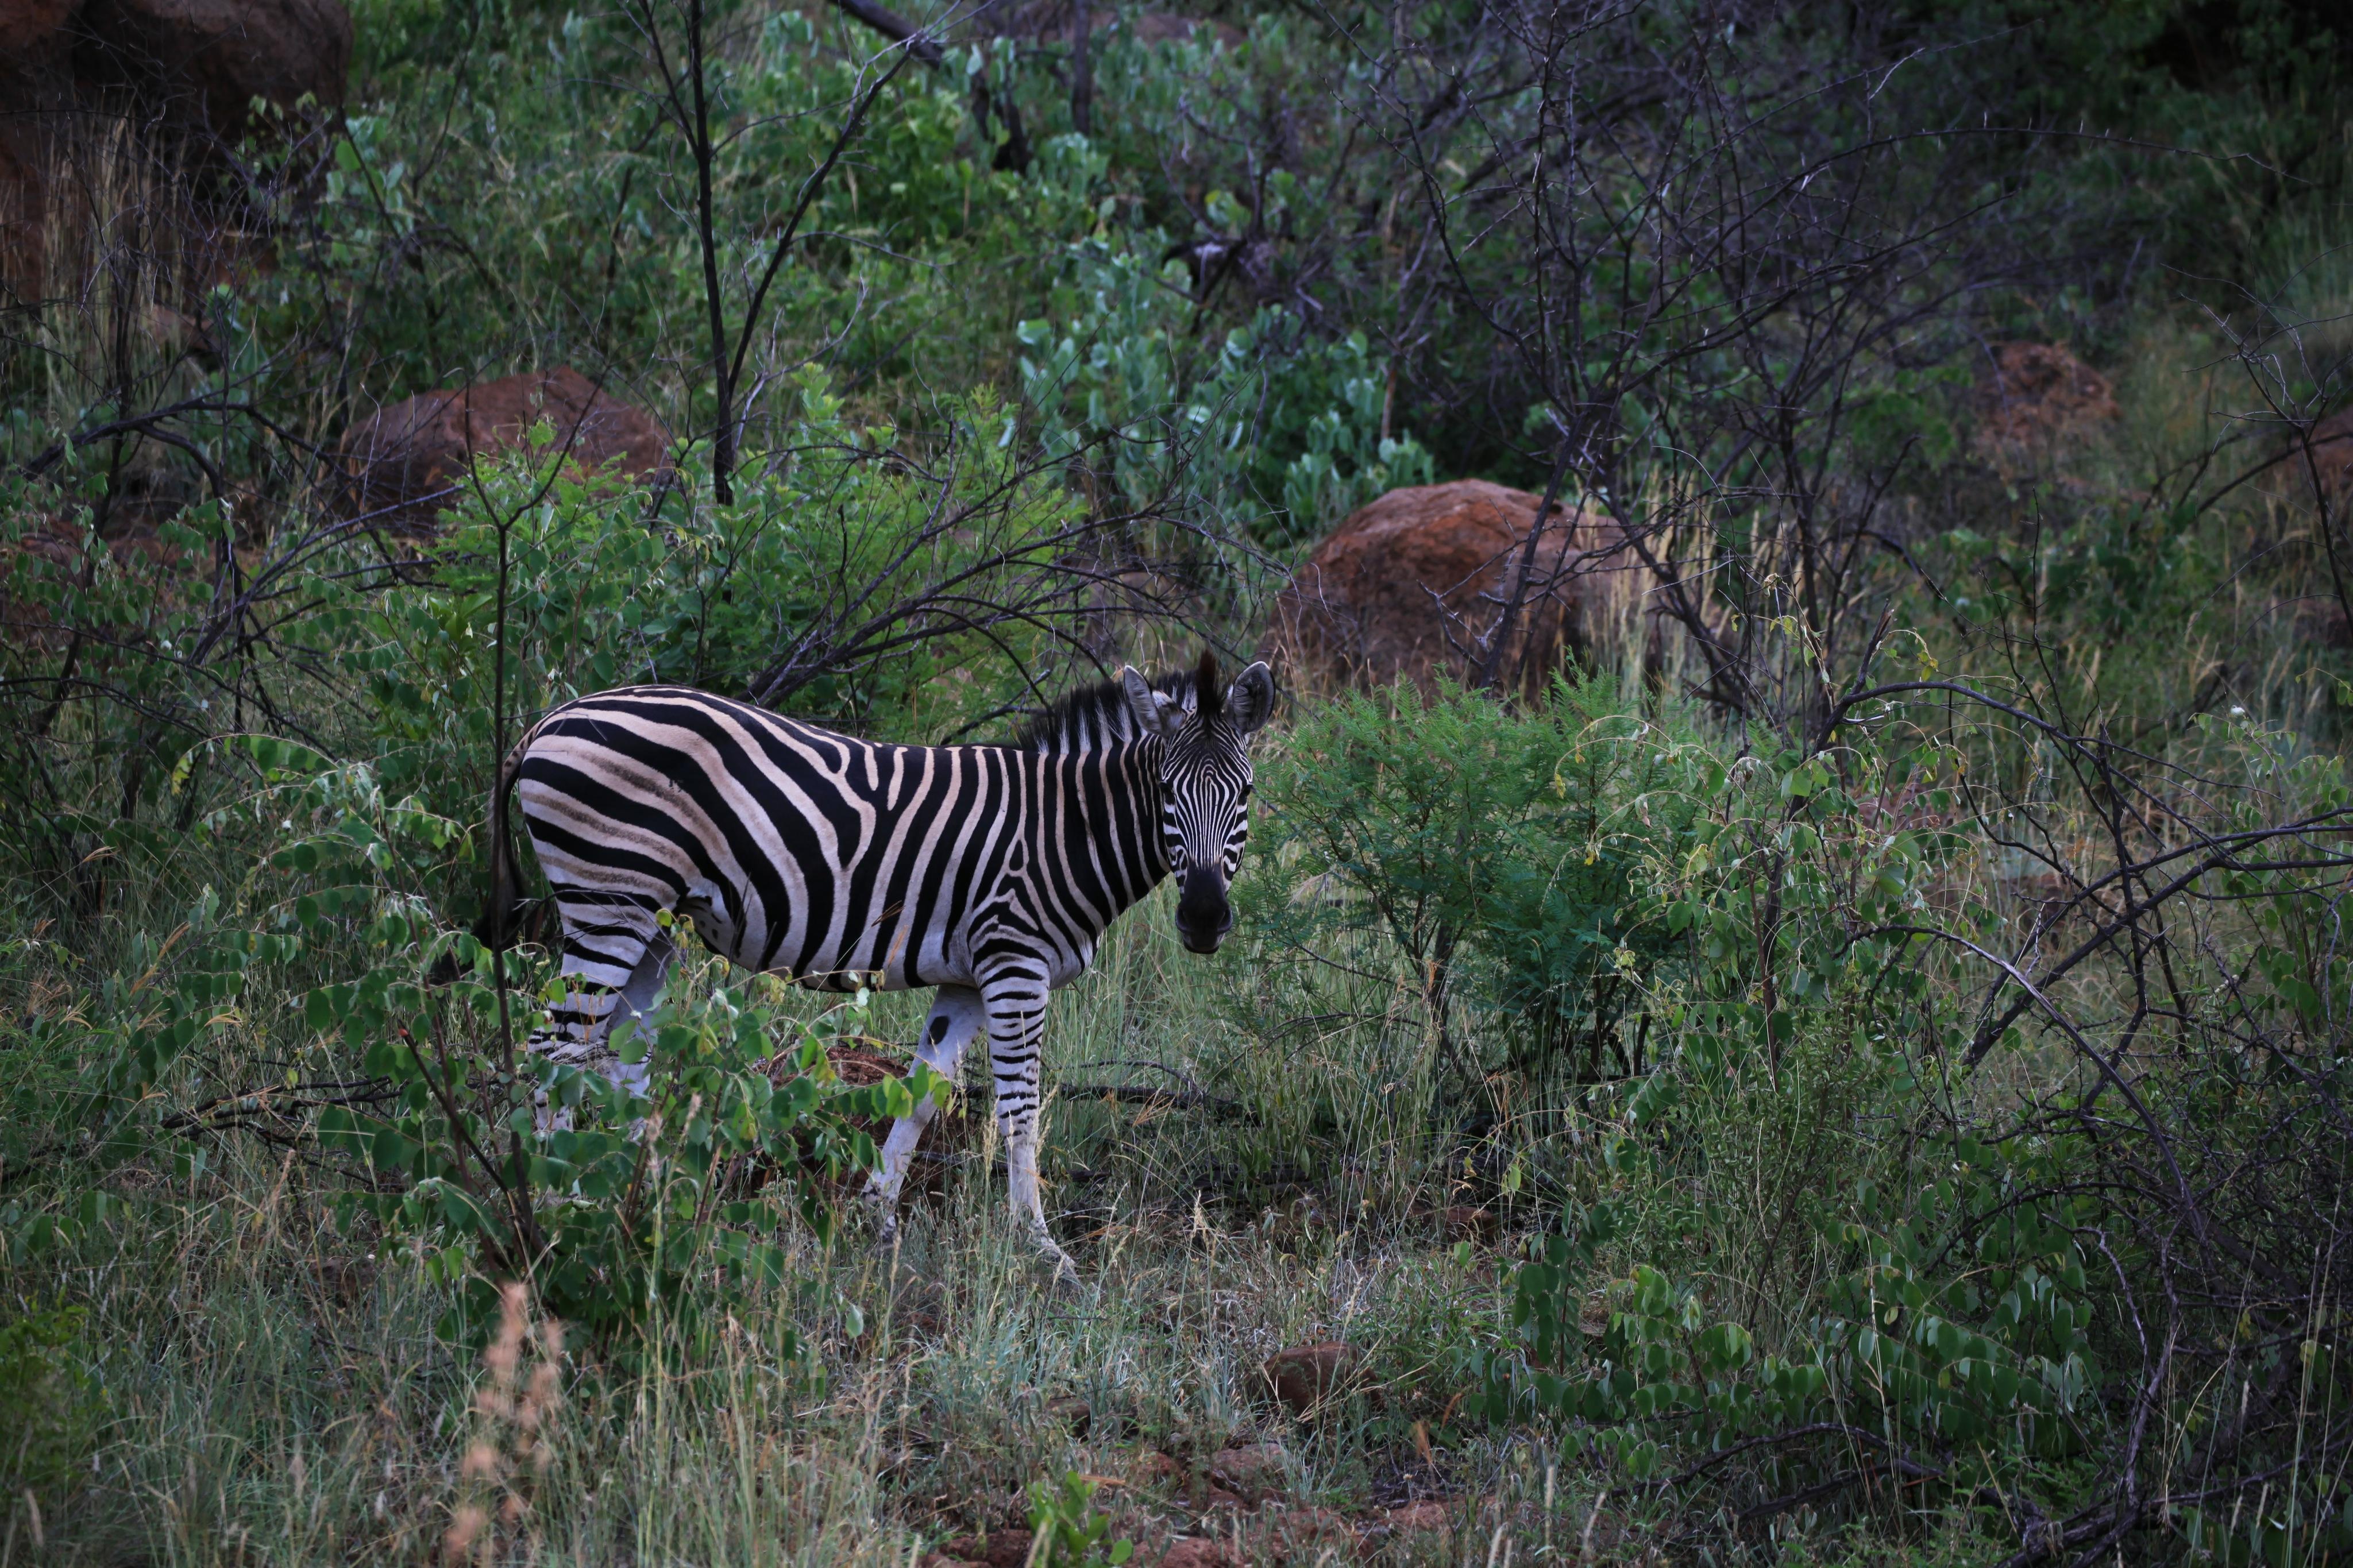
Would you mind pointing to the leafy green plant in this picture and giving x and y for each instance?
(1070, 1531)
(610, 1204)
(1962, 1330)
(1502, 851)
(1283, 431)
(616, 1218)
(1951, 1339)
(47, 1401)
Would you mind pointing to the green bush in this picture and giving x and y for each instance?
(1508, 856)
(610, 1219)
(48, 1403)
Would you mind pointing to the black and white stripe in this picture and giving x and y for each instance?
(989, 872)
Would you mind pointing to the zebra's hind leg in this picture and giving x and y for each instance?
(615, 960)
(957, 1017)
(638, 998)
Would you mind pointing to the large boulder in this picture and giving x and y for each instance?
(23, 215)
(2033, 394)
(1409, 586)
(201, 63)
(1304, 1376)
(28, 26)
(182, 74)
(37, 99)
(1414, 585)
(406, 463)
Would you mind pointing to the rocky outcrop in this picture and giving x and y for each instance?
(180, 75)
(1415, 585)
(1408, 585)
(199, 64)
(2036, 393)
(406, 463)
(1304, 1376)
(29, 26)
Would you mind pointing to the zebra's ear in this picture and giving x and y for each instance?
(1249, 701)
(1157, 713)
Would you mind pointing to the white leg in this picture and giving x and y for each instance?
(616, 968)
(615, 957)
(1017, 1031)
(956, 1020)
(639, 999)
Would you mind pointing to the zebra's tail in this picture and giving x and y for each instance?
(506, 913)
(503, 916)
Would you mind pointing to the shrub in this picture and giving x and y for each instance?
(1506, 855)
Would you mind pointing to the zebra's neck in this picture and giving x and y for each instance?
(1112, 769)
(1114, 790)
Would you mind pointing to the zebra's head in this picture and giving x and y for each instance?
(1205, 785)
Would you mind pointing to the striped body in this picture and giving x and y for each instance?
(990, 872)
(838, 862)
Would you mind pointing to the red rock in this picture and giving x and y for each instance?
(1194, 1553)
(205, 61)
(1252, 1471)
(1365, 609)
(998, 1549)
(1304, 1376)
(1298, 1534)
(27, 25)
(1154, 1469)
(1424, 1518)
(403, 463)
(24, 210)
(36, 87)
(2039, 392)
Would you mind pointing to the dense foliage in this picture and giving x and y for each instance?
(1852, 1067)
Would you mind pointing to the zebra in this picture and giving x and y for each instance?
(988, 872)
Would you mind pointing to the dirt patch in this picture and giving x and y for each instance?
(996, 1549)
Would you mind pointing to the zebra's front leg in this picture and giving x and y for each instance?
(1017, 1030)
(957, 1017)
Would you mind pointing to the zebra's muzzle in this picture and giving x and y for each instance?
(1203, 915)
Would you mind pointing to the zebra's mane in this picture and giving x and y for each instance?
(1096, 716)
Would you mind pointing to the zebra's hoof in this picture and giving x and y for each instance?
(1066, 1273)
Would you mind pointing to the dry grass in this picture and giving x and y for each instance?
(275, 1394)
